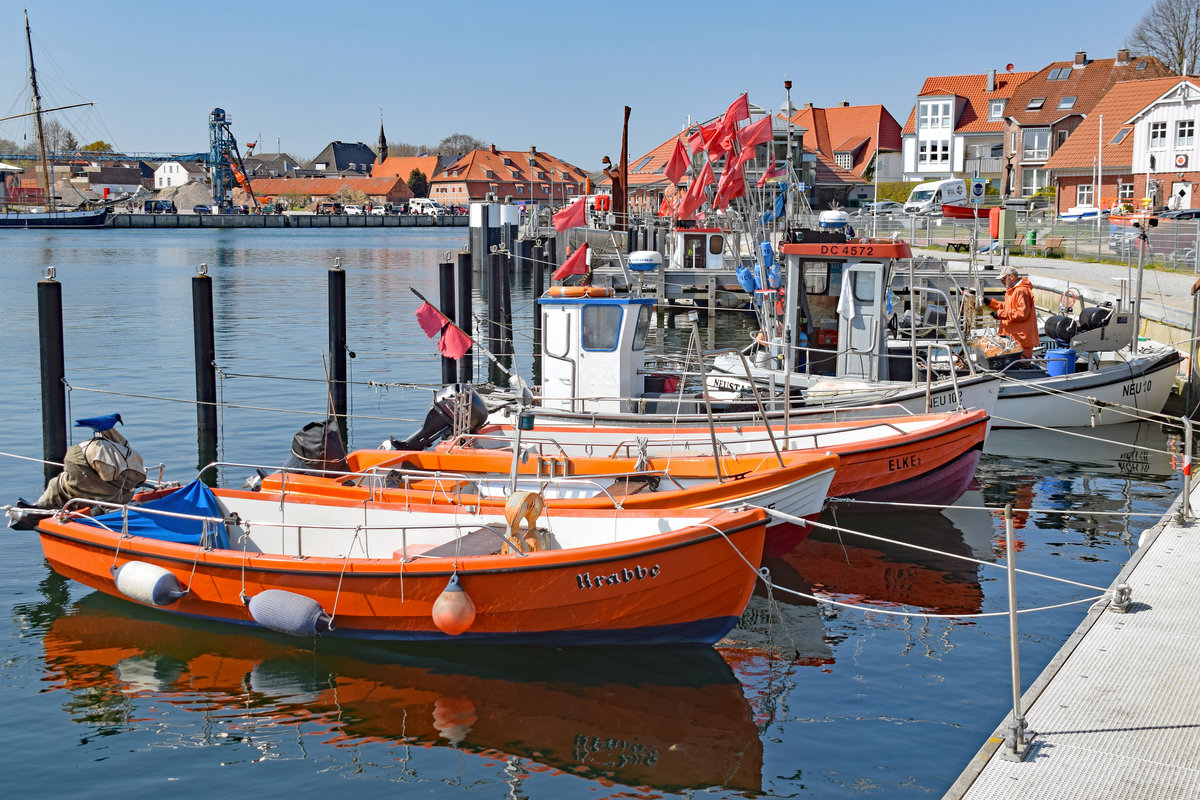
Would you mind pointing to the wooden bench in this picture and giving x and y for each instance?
(1050, 245)
(958, 245)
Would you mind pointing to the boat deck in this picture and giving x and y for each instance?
(1116, 714)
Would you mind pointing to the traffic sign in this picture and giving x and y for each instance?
(978, 189)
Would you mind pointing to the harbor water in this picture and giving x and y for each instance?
(803, 699)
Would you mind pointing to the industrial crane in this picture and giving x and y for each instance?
(225, 162)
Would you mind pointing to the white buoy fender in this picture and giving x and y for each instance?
(288, 612)
(148, 583)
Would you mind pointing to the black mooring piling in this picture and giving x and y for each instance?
(54, 389)
(206, 371)
(507, 275)
(446, 304)
(338, 399)
(466, 364)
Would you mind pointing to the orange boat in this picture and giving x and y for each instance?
(917, 458)
(305, 565)
(662, 717)
(796, 483)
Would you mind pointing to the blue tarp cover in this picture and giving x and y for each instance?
(195, 499)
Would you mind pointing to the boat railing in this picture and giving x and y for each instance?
(82, 507)
(952, 326)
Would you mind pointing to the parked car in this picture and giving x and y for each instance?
(201, 209)
(352, 209)
(882, 207)
(380, 211)
(423, 205)
(239, 209)
(1180, 214)
(329, 208)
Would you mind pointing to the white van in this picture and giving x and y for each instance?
(927, 198)
(423, 205)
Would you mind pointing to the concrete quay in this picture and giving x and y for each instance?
(146, 221)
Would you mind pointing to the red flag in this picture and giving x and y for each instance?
(677, 164)
(573, 216)
(738, 110)
(708, 138)
(454, 343)
(758, 133)
(430, 319)
(694, 197)
(575, 265)
(733, 184)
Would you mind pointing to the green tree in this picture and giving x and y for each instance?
(1170, 31)
(418, 183)
(98, 146)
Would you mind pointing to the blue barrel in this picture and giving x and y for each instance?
(1060, 361)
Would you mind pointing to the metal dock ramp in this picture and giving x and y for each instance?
(1116, 713)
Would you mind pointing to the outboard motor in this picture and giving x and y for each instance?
(439, 421)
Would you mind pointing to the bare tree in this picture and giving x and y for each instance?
(459, 144)
(1170, 31)
(406, 149)
(9, 146)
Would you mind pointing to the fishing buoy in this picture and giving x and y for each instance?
(453, 716)
(288, 612)
(453, 611)
(148, 583)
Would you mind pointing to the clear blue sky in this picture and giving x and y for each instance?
(554, 75)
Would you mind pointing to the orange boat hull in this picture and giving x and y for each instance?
(682, 587)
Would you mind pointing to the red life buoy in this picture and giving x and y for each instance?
(601, 202)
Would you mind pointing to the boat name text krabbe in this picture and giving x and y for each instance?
(586, 580)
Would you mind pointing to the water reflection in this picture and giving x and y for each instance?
(658, 717)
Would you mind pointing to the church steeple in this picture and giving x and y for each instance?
(382, 140)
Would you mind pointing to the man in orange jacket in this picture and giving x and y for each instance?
(1018, 317)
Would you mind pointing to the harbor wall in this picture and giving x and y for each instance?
(283, 221)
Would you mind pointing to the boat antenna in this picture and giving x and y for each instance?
(37, 114)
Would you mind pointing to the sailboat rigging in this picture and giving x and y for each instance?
(51, 216)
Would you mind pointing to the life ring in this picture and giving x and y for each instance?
(579, 291)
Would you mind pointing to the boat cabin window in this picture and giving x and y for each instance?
(693, 250)
(816, 277)
(643, 328)
(716, 243)
(601, 326)
(864, 286)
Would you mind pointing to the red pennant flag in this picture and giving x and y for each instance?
(694, 197)
(738, 110)
(573, 216)
(430, 319)
(575, 265)
(677, 164)
(758, 133)
(454, 343)
(733, 184)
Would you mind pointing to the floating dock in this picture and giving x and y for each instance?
(1116, 714)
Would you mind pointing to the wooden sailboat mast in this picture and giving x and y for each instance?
(37, 115)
